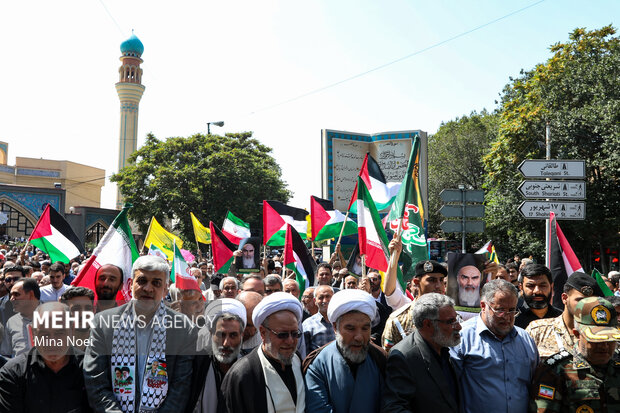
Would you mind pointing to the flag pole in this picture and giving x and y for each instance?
(364, 266)
(342, 229)
(312, 246)
(147, 233)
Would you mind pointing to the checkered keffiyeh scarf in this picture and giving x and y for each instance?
(124, 354)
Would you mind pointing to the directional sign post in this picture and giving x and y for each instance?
(463, 197)
(563, 210)
(553, 168)
(553, 189)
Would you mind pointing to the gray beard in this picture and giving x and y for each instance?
(248, 262)
(469, 299)
(352, 356)
(219, 355)
(438, 338)
(287, 361)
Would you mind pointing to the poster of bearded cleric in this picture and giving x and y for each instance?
(249, 258)
(465, 279)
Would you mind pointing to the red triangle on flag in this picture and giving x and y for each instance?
(221, 248)
(318, 216)
(43, 227)
(272, 221)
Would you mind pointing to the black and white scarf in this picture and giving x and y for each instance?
(124, 356)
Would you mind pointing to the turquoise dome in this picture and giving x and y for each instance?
(133, 45)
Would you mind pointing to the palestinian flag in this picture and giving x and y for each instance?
(298, 259)
(180, 273)
(382, 192)
(407, 211)
(275, 217)
(489, 250)
(561, 258)
(373, 241)
(222, 250)
(117, 247)
(235, 229)
(327, 221)
(54, 235)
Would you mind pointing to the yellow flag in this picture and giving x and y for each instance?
(162, 239)
(202, 233)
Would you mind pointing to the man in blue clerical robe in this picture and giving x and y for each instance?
(347, 375)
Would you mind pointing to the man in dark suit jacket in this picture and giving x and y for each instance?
(149, 287)
(420, 376)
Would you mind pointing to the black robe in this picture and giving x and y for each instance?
(244, 386)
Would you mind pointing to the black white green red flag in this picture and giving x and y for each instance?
(275, 217)
(53, 235)
(222, 249)
(297, 259)
(327, 221)
(561, 258)
(383, 193)
(408, 205)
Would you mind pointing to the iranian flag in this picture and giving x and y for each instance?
(222, 249)
(298, 259)
(180, 273)
(275, 217)
(383, 193)
(561, 258)
(373, 241)
(117, 247)
(235, 229)
(54, 235)
(326, 222)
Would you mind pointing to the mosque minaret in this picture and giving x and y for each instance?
(130, 90)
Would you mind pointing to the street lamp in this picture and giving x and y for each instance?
(220, 124)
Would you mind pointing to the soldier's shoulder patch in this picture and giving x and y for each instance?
(584, 409)
(557, 358)
(546, 392)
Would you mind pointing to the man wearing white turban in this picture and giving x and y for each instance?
(269, 379)
(351, 363)
(219, 344)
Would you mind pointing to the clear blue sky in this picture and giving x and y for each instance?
(234, 60)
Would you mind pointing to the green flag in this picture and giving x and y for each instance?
(601, 283)
(408, 206)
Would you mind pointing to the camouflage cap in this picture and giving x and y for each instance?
(596, 319)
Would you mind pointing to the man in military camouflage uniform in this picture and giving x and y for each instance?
(429, 277)
(589, 380)
(554, 335)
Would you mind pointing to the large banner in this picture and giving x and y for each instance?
(343, 154)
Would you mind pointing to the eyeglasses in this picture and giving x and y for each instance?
(452, 322)
(283, 335)
(501, 313)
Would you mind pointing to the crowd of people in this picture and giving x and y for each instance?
(261, 342)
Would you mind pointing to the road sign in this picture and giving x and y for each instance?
(553, 189)
(552, 168)
(454, 195)
(471, 211)
(563, 210)
(456, 226)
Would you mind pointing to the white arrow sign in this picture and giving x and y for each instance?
(553, 168)
(553, 189)
(563, 210)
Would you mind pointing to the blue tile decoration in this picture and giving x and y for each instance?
(33, 202)
(91, 218)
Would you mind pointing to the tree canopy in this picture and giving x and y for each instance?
(204, 174)
(455, 157)
(577, 91)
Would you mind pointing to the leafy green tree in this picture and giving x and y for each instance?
(577, 91)
(455, 157)
(203, 174)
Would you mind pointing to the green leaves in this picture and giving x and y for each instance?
(207, 175)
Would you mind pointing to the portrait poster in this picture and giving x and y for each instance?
(465, 280)
(249, 261)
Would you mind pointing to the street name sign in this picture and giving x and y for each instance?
(454, 195)
(563, 209)
(553, 189)
(456, 226)
(452, 211)
(553, 168)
